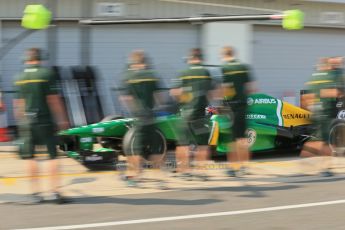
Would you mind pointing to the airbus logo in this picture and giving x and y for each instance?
(251, 101)
(265, 101)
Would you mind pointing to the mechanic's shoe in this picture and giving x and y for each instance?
(123, 177)
(327, 173)
(242, 172)
(162, 185)
(57, 198)
(231, 173)
(131, 183)
(201, 176)
(33, 199)
(185, 176)
(237, 173)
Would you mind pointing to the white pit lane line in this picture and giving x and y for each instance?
(186, 217)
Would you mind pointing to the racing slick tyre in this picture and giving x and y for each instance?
(337, 137)
(94, 161)
(108, 142)
(159, 146)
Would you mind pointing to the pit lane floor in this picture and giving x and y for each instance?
(275, 196)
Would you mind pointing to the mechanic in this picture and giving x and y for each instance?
(38, 110)
(141, 86)
(192, 91)
(324, 89)
(337, 66)
(236, 86)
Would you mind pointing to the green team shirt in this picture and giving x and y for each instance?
(324, 80)
(34, 85)
(340, 80)
(195, 83)
(235, 77)
(142, 84)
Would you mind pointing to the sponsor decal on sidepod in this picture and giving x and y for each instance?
(296, 116)
(341, 115)
(251, 136)
(255, 116)
(251, 101)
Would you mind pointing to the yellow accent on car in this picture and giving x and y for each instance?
(294, 116)
(214, 135)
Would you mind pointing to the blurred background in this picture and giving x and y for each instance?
(90, 60)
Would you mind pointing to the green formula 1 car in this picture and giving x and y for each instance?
(271, 123)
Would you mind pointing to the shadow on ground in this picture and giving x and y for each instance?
(250, 190)
(20, 198)
(143, 201)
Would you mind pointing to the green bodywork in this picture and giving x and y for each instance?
(264, 120)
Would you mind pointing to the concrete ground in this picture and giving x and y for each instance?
(77, 181)
(278, 194)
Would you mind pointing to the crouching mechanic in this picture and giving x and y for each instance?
(236, 86)
(38, 109)
(325, 86)
(141, 89)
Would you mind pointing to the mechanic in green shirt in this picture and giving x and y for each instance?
(324, 89)
(236, 86)
(337, 66)
(141, 86)
(38, 109)
(192, 92)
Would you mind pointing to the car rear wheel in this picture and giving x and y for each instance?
(158, 146)
(337, 138)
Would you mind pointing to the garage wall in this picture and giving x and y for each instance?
(165, 44)
(285, 60)
(68, 44)
(237, 35)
